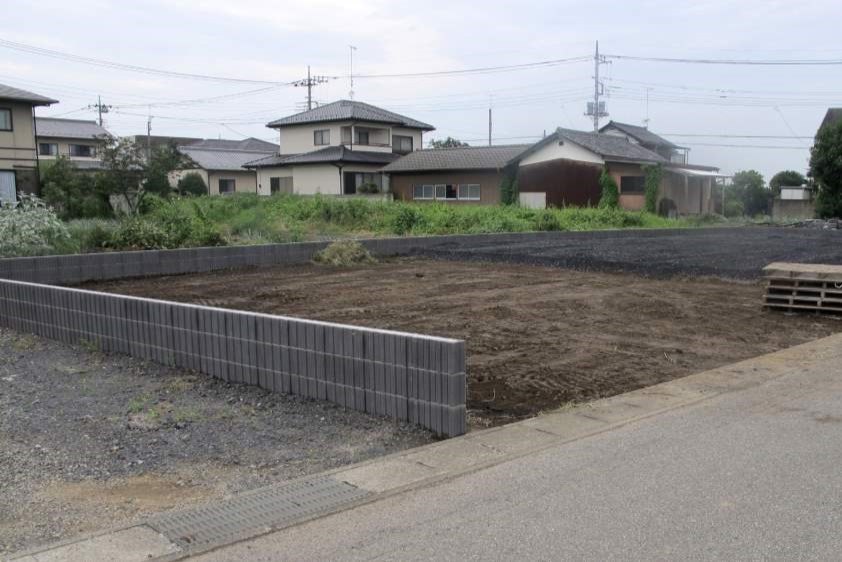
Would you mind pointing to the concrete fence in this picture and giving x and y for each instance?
(416, 378)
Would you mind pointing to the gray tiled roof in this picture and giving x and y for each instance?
(249, 144)
(220, 159)
(349, 110)
(461, 158)
(611, 148)
(325, 155)
(16, 94)
(642, 134)
(50, 127)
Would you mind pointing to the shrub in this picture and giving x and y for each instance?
(652, 185)
(169, 226)
(548, 220)
(192, 184)
(91, 235)
(71, 193)
(31, 228)
(610, 198)
(368, 188)
(343, 253)
(406, 219)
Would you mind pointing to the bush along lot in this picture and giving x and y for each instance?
(251, 219)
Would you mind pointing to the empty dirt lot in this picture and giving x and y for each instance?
(538, 337)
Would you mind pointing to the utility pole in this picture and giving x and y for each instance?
(594, 109)
(149, 135)
(490, 103)
(309, 82)
(351, 72)
(100, 108)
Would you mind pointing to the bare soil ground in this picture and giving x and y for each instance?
(89, 441)
(537, 337)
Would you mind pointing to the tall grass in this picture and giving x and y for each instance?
(252, 219)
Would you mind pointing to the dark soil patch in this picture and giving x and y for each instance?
(537, 337)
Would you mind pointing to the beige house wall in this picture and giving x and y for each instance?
(300, 139)
(316, 178)
(64, 148)
(264, 175)
(17, 147)
(244, 182)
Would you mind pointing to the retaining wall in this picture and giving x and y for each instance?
(416, 378)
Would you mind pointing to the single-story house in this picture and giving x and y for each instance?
(76, 139)
(562, 169)
(470, 175)
(220, 162)
(567, 164)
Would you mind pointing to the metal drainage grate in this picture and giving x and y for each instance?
(254, 512)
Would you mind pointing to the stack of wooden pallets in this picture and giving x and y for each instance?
(804, 287)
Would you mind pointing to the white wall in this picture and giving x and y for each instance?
(568, 151)
(299, 139)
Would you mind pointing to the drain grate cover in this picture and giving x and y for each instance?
(253, 512)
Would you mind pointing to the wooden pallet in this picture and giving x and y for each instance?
(804, 288)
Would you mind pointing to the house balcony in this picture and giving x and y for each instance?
(378, 139)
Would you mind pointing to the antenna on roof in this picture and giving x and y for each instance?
(646, 120)
(351, 48)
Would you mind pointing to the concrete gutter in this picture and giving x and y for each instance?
(425, 466)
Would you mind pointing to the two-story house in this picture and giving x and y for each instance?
(336, 148)
(642, 136)
(18, 154)
(75, 139)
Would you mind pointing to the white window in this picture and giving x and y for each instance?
(424, 192)
(47, 149)
(321, 137)
(227, 186)
(469, 192)
(5, 119)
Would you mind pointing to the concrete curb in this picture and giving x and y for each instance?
(443, 461)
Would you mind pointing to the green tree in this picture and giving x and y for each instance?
(654, 173)
(164, 159)
(826, 170)
(192, 184)
(124, 172)
(785, 178)
(72, 193)
(749, 188)
(449, 142)
(610, 198)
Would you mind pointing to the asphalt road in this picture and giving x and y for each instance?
(739, 253)
(748, 475)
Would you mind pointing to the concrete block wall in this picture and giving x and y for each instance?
(410, 377)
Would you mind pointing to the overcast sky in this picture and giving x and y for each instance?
(275, 41)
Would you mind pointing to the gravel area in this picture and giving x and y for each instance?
(739, 253)
(89, 440)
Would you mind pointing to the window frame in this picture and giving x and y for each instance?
(633, 191)
(91, 151)
(321, 137)
(11, 119)
(233, 185)
(423, 186)
(400, 139)
(53, 149)
(467, 187)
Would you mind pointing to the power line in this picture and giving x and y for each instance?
(31, 49)
(480, 70)
(719, 136)
(742, 62)
(749, 146)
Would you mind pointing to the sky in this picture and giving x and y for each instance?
(267, 44)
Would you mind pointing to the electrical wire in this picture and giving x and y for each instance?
(741, 62)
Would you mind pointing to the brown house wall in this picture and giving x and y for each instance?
(401, 185)
(566, 182)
